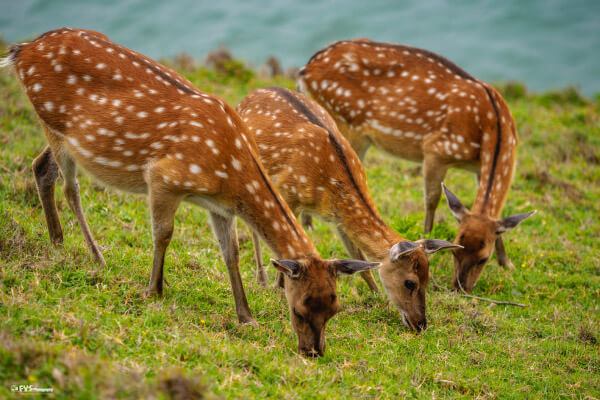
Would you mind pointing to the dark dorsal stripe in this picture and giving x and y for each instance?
(266, 181)
(434, 56)
(313, 118)
(496, 150)
(456, 70)
(187, 90)
(442, 60)
(145, 63)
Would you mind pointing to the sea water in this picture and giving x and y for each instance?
(546, 44)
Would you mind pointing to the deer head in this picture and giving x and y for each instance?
(141, 127)
(476, 234)
(310, 291)
(337, 191)
(405, 274)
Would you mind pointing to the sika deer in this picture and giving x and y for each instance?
(141, 127)
(316, 171)
(418, 105)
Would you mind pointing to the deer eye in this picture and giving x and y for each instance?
(482, 261)
(410, 285)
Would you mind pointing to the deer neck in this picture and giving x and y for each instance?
(498, 154)
(368, 231)
(270, 216)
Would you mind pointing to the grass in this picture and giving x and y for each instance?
(89, 332)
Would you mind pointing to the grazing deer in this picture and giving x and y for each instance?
(316, 171)
(418, 105)
(141, 127)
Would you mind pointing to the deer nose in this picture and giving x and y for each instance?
(313, 353)
(460, 284)
(422, 325)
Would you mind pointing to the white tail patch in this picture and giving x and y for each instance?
(6, 61)
(301, 84)
(11, 59)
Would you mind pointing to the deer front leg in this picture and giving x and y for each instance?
(503, 259)
(45, 170)
(307, 221)
(357, 254)
(224, 230)
(434, 171)
(359, 141)
(261, 274)
(71, 189)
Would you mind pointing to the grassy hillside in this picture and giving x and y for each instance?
(89, 332)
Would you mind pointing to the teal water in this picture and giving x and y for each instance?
(543, 43)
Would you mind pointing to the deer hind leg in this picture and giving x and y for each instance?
(357, 254)
(261, 274)
(163, 205)
(503, 259)
(68, 169)
(45, 170)
(224, 230)
(434, 171)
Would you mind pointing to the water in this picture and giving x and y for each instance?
(544, 43)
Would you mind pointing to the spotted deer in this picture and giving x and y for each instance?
(419, 106)
(140, 127)
(316, 171)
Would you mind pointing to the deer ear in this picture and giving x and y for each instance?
(456, 207)
(352, 266)
(402, 248)
(506, 224)
(433, 245)
(288, 267)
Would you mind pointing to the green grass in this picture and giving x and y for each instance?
(89, 332)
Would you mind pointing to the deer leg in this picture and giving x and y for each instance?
(163, 206)
(357, 254)
(279, 279)
(45, 170)
(71, 189)
(503, 259)
(358, 140)
(307, 221)
(434, 172)
(261, 274)
(224, 230)
(361, 150)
